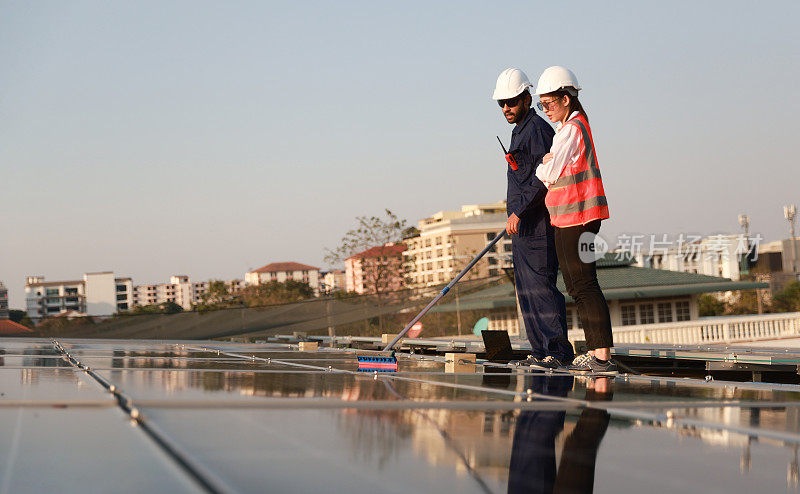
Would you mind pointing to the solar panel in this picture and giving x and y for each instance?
(134, 415)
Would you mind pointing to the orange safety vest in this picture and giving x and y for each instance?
(577, 197)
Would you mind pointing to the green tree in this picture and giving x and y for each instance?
(218, 296)
(275, 292)
(410, 232)
(709, 305)
(744, 302)
(21, 317)
(788, 299)
(162, 308)
(62, 326)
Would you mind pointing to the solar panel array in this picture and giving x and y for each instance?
(146, 416)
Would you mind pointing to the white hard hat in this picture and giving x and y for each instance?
(555, 78)
(511, 83)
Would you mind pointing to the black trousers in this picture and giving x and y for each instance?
(579, 456)
(580, 279)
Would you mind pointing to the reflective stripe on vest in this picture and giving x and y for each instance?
(585, 185)
(577, 207)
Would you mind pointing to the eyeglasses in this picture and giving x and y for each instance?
(545, 105)
(511, 102)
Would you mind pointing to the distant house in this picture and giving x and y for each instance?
(9, 327)
(375, 270)
(282, 271)
(635, 296)
(334, 281)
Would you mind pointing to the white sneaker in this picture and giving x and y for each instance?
(581, 359)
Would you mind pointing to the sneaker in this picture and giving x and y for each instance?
(581, 359)
(531, 360)
(594, 365)
(551, 362)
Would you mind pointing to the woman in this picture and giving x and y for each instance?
(577, 204)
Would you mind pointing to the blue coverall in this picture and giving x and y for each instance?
(533, 248)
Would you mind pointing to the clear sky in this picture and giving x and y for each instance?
(207, 138)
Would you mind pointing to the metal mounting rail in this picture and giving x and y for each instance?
(633, 411)
(205, 479)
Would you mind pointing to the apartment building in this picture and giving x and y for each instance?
(97, 294)
(283, 271)
(717, 255)
(375, 270)
(448, 240)
(180, 290)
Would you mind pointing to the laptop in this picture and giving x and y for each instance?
(498, 346)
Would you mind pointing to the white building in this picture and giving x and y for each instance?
(333, 281)
(97, 294)
(717, 255)
(448, 240)
(283, 271)
(180, 290)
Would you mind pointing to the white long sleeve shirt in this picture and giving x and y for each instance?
(565, 149)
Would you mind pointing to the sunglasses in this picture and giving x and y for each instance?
(546, 105)
(511, 102)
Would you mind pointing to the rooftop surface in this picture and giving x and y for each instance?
(204, 416)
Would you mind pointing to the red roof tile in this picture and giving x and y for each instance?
(381, 251)
(285, 266)
(7, 326)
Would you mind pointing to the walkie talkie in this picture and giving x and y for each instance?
(509, 157)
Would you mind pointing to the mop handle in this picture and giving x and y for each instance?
(444, 291)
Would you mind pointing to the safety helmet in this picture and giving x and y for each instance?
(511, 83)
(555, 78)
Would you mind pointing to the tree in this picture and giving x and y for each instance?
(788, 299)
(377, 239)
(410, 232)
(162, 308)
(20, 316)
(218, 296)
(744, 302)
(275, 292)
(709, 305)
(62, 326)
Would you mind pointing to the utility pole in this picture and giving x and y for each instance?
(458, 312)
(744, 221)
(744, 264)
(329, 314)
(789, 213)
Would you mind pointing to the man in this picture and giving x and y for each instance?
(533, 248)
